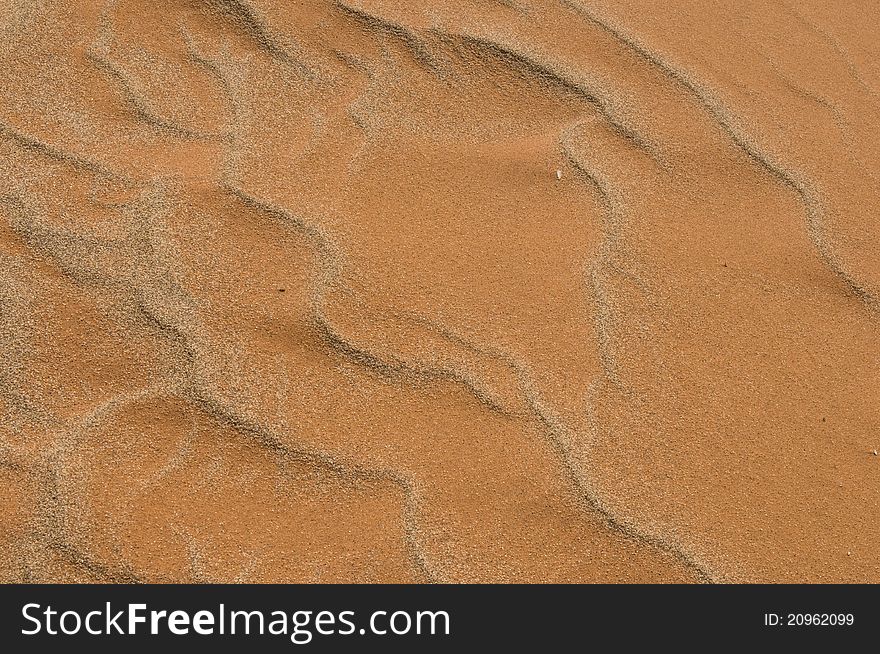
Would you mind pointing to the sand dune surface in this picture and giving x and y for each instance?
(463, 291)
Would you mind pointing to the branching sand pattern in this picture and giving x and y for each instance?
(482, 291)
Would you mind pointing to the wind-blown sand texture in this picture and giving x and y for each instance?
(453, 291)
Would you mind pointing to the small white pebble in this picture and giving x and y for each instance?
(558, 174)
(874, 452)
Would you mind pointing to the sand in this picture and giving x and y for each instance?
(461, 291)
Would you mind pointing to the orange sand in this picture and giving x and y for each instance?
(462, 291)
